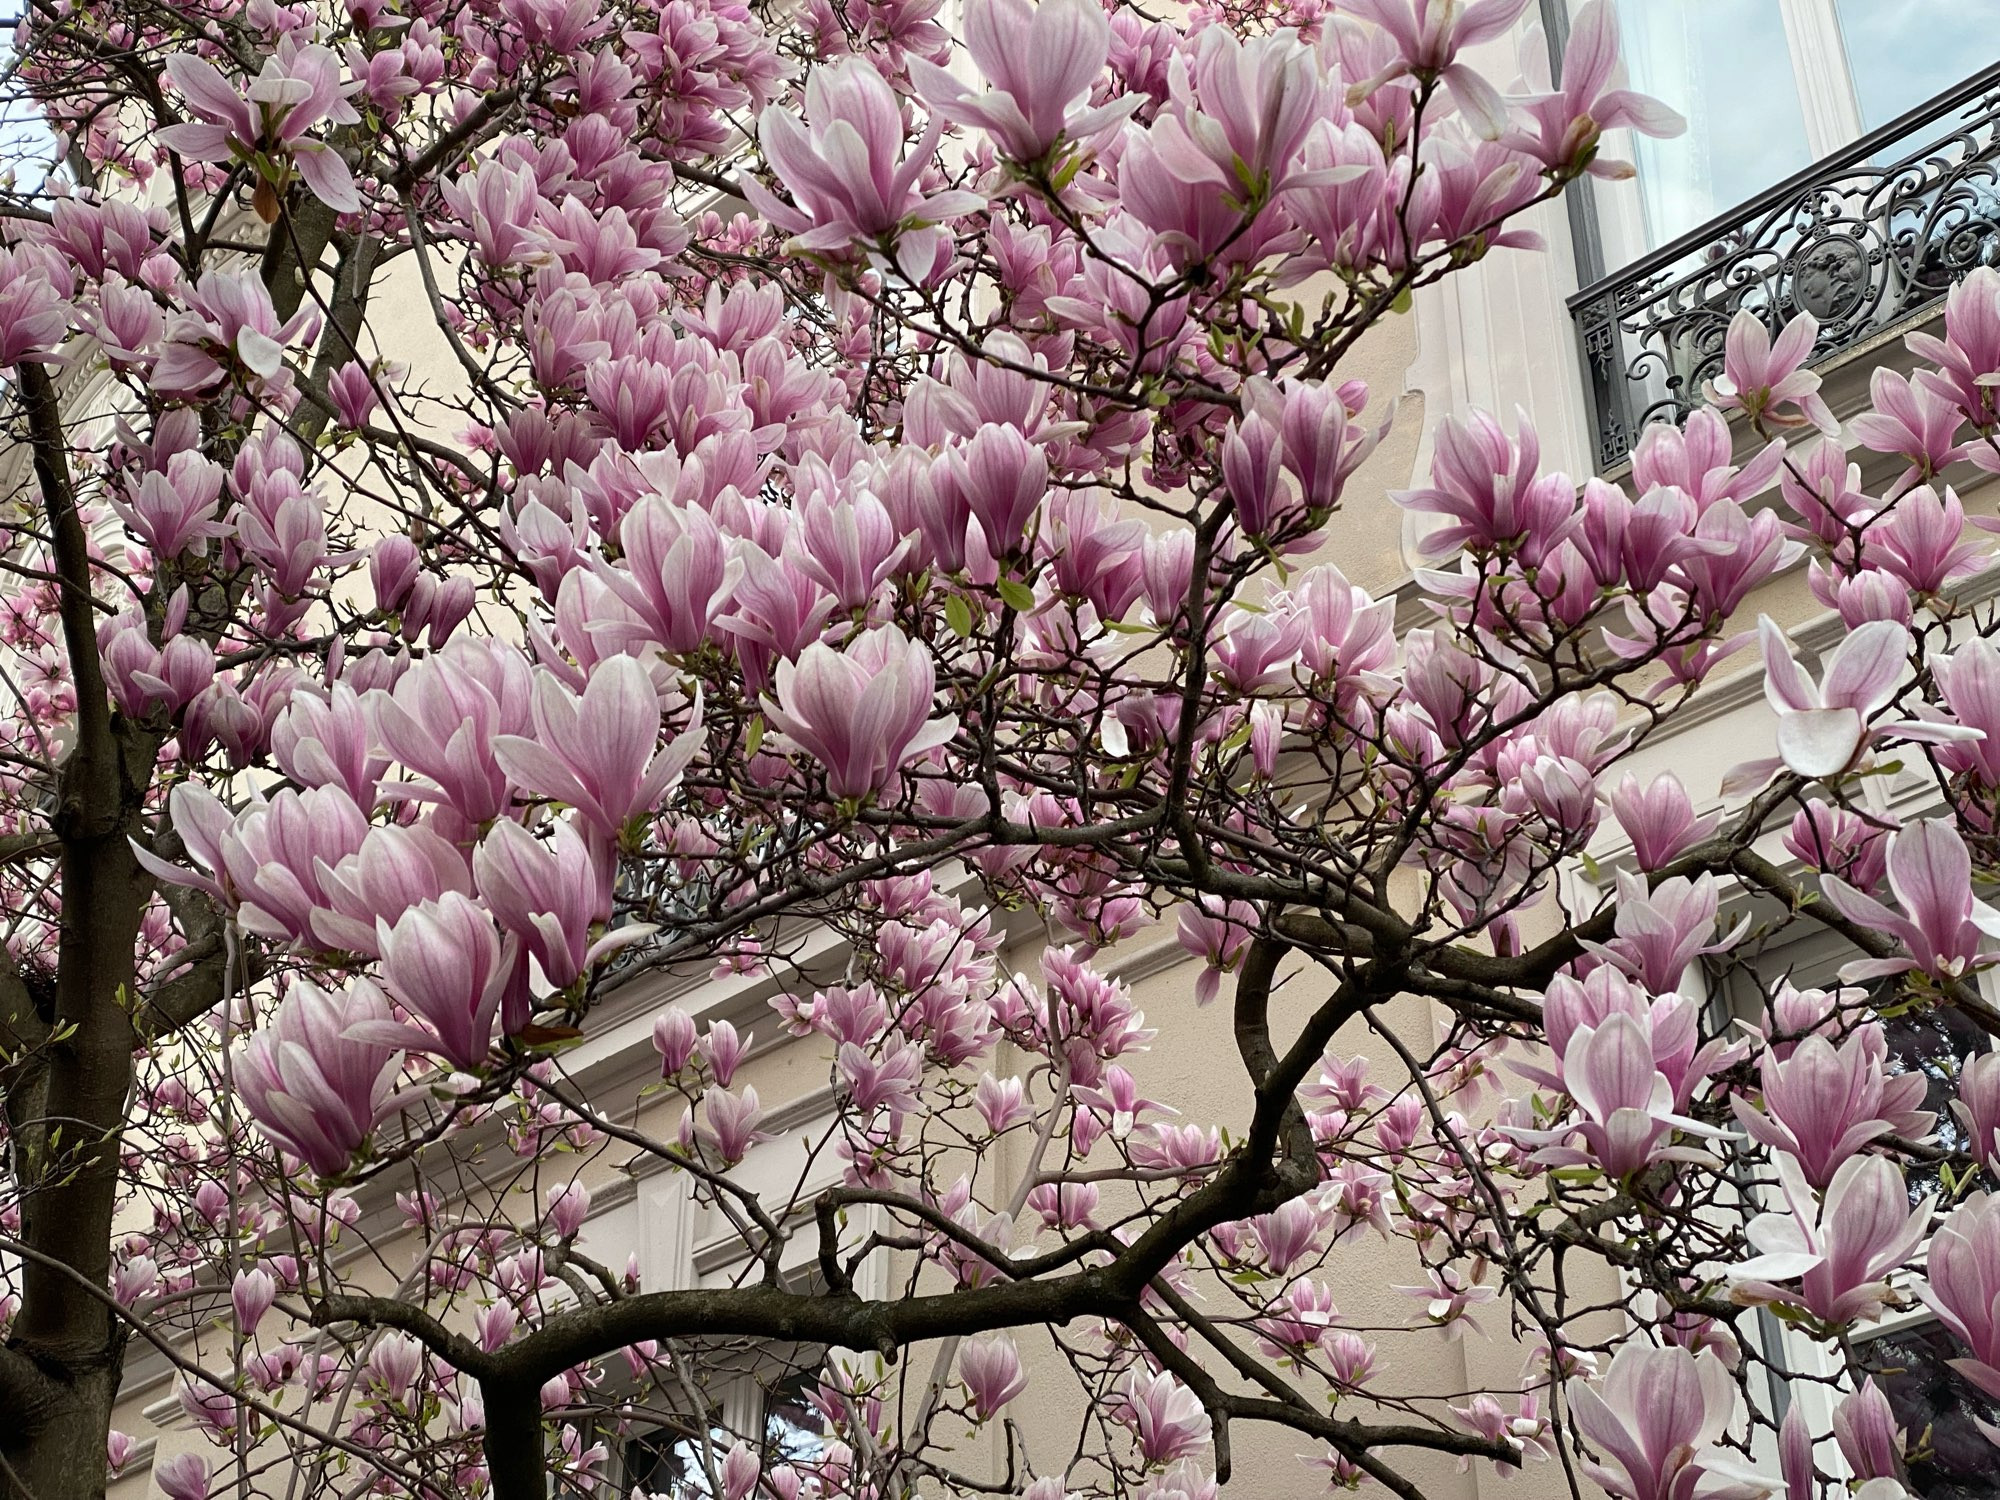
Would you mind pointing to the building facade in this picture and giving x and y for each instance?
(1842, 160)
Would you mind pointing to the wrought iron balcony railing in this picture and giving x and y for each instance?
(1863, 239)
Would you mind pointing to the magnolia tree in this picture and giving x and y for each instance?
(884, 490)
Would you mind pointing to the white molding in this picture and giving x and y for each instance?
(1819, 64)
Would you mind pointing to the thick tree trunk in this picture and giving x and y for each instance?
(54, 1448)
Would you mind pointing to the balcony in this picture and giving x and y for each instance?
(1864, 239)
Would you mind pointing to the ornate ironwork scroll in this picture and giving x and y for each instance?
(1862, 240)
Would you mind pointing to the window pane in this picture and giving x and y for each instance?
(1932, 1040)
(1955, 1462)
(1901, 52)
(1725, 65)
(793, 1431)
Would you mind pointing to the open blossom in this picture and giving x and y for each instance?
(862, 713)
(230, 317)
(174, 512)
(1428, 37)
(1041, 60)
(1942, 923)
(1626, 1114)
(1486, 486)
(1761, 378)
(1840, 1252)
(841, 163)
(1570, 120)
(1824, 1103)
(598, 752)
(311, 1088)
(1823, 727)
(1165, 1416)
(1962, 1272)
(1654, 1420)
(296, 90)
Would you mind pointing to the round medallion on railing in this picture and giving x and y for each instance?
(1829, 278)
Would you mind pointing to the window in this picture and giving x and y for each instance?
(667, 1461)
(1908, 1353)
(1950, 1458)
(1768, 87)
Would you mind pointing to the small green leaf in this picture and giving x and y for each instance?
(958, 615)
(1403, 301)
(1017, 594)
(753, 739)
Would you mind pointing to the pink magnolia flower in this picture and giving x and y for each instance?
(1217, 932)
(230, 317)
(1823, 1104)
(840, 164)
(1041, 60)
(1969, 682)
(1625, 1115)
(310, 1087)
(991, 1370)
(1164, 1414)
(1485, 484)
(444, 716)
(1962, 1271)
(397, 867)
(1428, 37)
(395, 1364)
(1942, 923)
(250, 1296)
(351, 388)
(568, 1207)
(1824, 727)
(1659, 932)
(268, 861)
(34, 317)
(1839, 1252)
(679, 571)
(847, 546)
(1911, 421)
(998, 478)
(740, 1469)
(1967, 358)
(119, 1448)
(324, 742)
(182, 1476)
(1659, 819)
(862, 713)
(1834, 839)
(728, 1123)
(674, 1039)
(1655, 1419)
(550, 894)
(297, 89)
(1240, 109)
(1977, 1106)
(597, 752)
(1698, 457)
(174, 512)
(445, 964)
(1760, 378)
(724, 1049)
(1919, 538)
(1593, 99)
(1870, 1438)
